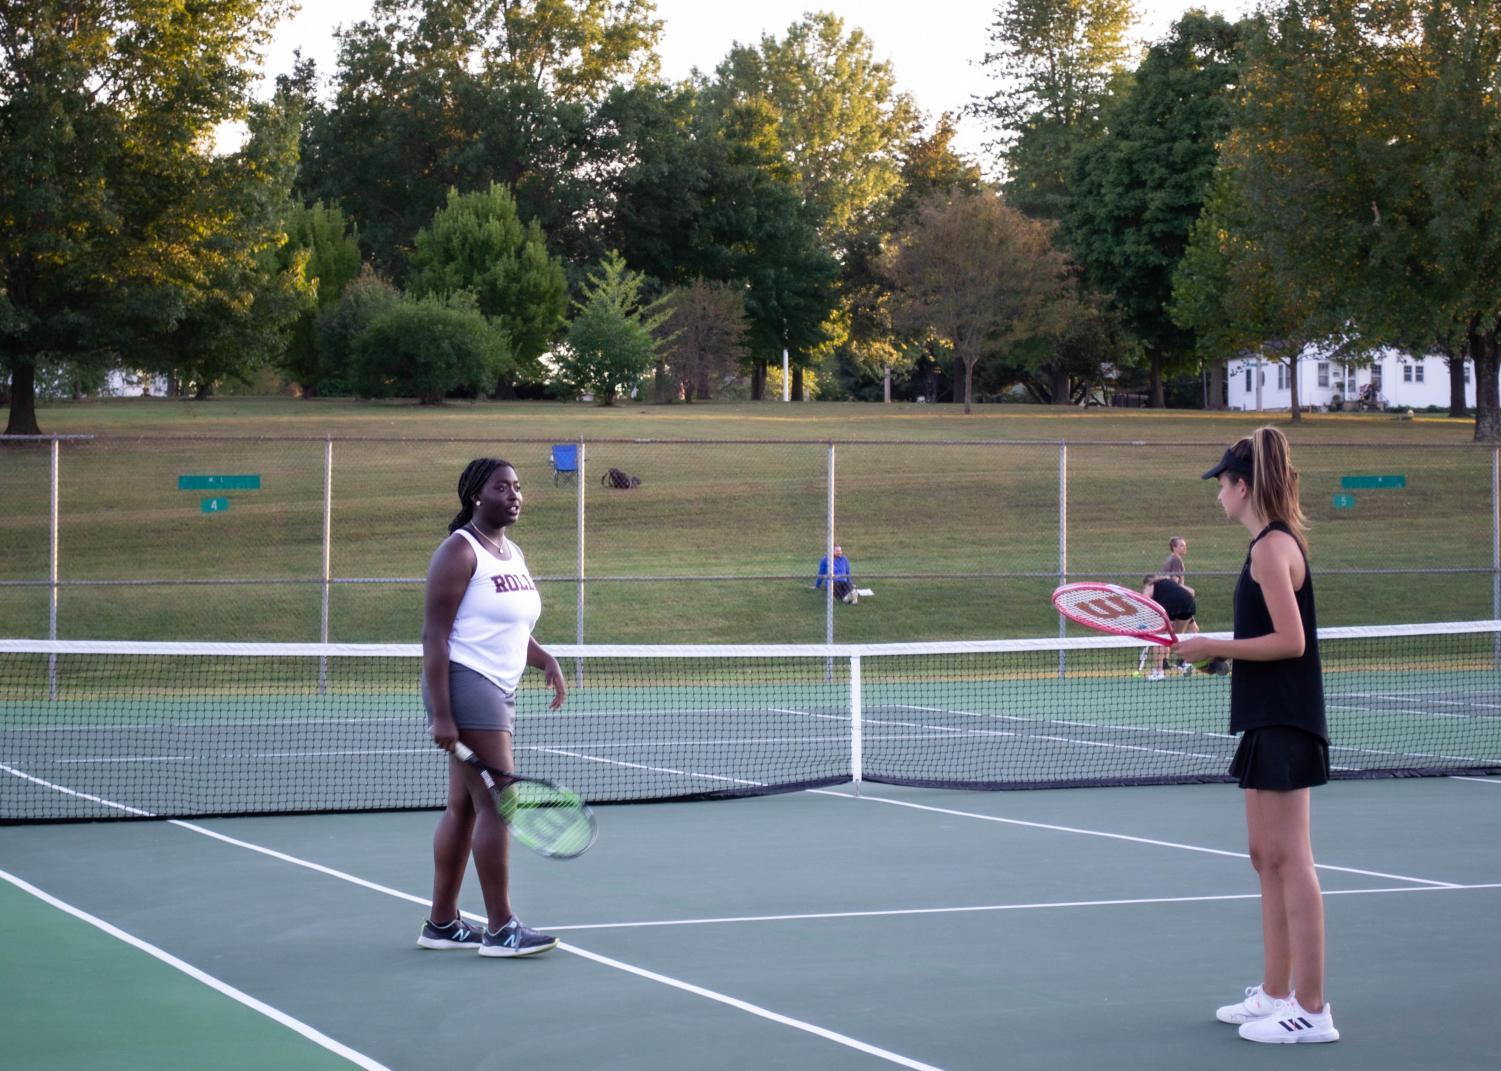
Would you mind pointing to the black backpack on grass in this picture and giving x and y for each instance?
(621, 481)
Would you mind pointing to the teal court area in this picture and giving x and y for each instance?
(904, 927)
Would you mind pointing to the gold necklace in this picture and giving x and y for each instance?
(504, 554)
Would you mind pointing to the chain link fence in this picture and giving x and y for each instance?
(305, 539)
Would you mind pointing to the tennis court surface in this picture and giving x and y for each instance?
(804, 926)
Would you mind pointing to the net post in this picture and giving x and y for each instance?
(52, 543)
(328, 530)
(857, 727)
(1062, 543)
(1496, 551)
(579, 517)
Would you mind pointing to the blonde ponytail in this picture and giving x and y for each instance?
(1274, 487)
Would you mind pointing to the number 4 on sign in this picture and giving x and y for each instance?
(213, 505)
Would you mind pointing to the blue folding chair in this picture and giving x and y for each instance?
(565, 462)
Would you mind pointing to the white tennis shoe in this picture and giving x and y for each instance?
(1257, 1005)
(1290, 1023)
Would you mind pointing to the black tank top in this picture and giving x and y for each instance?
(1289, 691)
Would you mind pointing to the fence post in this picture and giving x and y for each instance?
(52, 567)
(579, 514)
(327, 569)
(1496, 549)
(1062, 540)
(828, 549)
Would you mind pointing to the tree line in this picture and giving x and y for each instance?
(508, 200)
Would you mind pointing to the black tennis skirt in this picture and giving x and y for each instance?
(1280, 758)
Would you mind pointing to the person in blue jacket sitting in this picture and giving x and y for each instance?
(844, 587)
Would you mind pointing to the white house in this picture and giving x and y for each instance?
(1399, 380)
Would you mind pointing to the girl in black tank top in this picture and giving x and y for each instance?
(1288, 691)
(1277, 705)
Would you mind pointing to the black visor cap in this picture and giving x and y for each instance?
(1235, 466)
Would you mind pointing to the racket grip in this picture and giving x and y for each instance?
(461, 752)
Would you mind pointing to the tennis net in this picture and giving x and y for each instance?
(92, 730)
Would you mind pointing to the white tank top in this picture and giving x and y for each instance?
(496, 616)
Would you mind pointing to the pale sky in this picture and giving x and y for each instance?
(935, 58)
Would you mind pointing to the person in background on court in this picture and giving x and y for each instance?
(480, 608)
(1178, 601)
(1172, 567)
(844, 587)
(1277, 704)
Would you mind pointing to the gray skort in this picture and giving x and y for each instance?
(476, 701)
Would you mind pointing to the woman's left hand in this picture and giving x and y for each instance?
(1196, 648)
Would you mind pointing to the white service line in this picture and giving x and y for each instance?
(314, 1035)
(1478, 780)
(1041, 906)
(1115, 836)
(687, 987)
(753, 1009)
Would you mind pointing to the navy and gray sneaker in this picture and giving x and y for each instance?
(455, 934)
(514, 939)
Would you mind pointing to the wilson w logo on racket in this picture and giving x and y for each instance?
(1107, 609)
(1112, 608)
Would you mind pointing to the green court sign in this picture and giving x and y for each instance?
(219, 483)
(1350, 482)
(213, 505)
(1344, 501)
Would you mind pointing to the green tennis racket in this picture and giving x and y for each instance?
(547, 818)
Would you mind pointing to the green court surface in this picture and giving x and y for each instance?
(908, 928)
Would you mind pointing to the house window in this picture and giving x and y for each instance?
(1248, 377)
(1283, 377)
(1376, 376)
(1407, 373)
(1467, 371)
(1417, 375)
(1323, 373)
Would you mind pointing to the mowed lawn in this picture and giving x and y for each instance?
(953, 521)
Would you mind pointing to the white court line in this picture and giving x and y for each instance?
(675, 983)
(1040, 906)
(314, 1035)
(1478, 780)
(1116, 836)
(70, 792)
(687, 987)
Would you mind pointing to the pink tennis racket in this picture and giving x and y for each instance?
(1112, 608)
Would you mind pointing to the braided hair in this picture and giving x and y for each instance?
(476, 474)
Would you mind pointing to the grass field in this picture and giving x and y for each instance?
(920, 490)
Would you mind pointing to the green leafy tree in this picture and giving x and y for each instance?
(342, 323)
(704, 190)
(477, 242)
(612, 342)
(115, 211)
(243, 294)
(1229, 294)
(460, 94)
(843, 127)
(873, 346)
(1138, 189)
(1369, 138)
(841, 121)
(980, 277)
(1054, 62)
(323, 248)
(428, 348)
